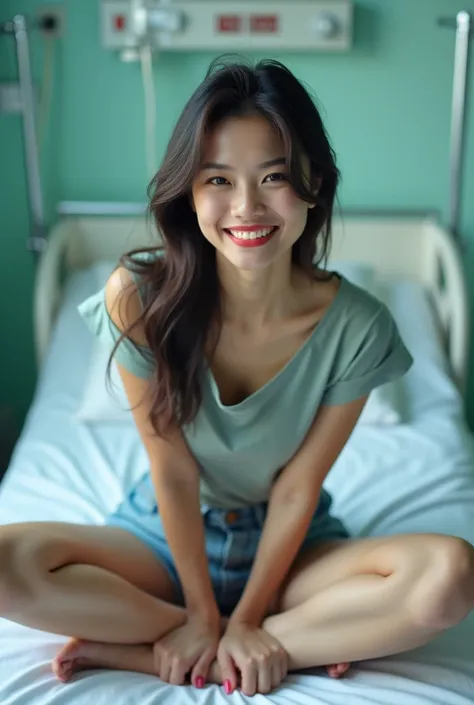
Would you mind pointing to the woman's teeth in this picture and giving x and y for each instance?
(251, 235)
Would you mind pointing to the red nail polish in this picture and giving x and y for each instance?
(227, 687)
(199, 682)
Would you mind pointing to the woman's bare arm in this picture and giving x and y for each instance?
(174, 471)
(293, 500)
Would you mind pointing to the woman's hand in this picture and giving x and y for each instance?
(189, 648)
(260, 658)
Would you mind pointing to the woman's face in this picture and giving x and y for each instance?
(244, 203)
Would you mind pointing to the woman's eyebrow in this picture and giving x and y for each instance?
(263, 165)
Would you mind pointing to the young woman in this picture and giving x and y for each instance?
(247, 365)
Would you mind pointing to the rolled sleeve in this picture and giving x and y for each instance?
(380, 358)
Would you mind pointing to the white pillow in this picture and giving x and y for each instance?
(104, 399)
(107, 403)
(428, 386)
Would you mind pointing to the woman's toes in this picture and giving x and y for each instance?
(337, 670)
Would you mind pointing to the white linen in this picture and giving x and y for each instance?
(404, 478)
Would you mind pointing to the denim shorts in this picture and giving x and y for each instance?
(231, 537)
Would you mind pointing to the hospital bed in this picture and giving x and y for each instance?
(409, 471)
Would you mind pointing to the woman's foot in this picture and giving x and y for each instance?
(79, 655)
(337, 670)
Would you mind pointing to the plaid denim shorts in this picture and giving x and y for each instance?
(231, 536)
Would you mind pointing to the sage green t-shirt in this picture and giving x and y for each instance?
(241, 448)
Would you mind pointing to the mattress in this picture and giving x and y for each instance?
(411, 477)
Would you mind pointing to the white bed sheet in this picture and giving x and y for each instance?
(421, 479)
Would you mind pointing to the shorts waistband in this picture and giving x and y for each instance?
(252, 516)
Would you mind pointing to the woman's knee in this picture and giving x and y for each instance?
(445, 593)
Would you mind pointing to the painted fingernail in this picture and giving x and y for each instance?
(199, 682)
(227, 687)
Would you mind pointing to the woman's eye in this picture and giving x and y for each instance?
(276, 176)
(217, 181)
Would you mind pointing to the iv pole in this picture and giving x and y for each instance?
(462, 23)
(36, 242)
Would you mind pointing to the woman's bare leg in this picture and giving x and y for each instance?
(89, 582)
(348, 601)
(402, 592)
(367, 599)
(382, 596)
(343, 601)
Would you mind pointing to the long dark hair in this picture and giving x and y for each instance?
(180, 292)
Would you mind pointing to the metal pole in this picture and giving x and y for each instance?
(37, 240)
(458, 115)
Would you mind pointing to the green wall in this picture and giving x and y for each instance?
(386, 106)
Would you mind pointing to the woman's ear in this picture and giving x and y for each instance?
(191, 202)
(316, 188)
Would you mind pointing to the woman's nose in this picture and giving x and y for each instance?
(246, 204)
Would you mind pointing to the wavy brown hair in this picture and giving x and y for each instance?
(180, 292)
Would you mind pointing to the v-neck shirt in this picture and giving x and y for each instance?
(241, 448)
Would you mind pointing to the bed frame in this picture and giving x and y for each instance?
(416, 248)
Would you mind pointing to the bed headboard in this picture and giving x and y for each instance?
(416, 248)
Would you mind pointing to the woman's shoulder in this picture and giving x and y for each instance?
(123, 302)
(345, 302)
(127, 287)
(115, 316)
(358, 304)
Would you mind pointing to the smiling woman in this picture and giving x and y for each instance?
(242, 202)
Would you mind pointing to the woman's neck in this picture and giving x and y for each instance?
(253, 298)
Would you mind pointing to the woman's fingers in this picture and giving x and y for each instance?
(165, 670)
(265, 675)
(249, 676)
(201, 669)
(228, 672)
(179, 668)
(277, 673)
(283, 664)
